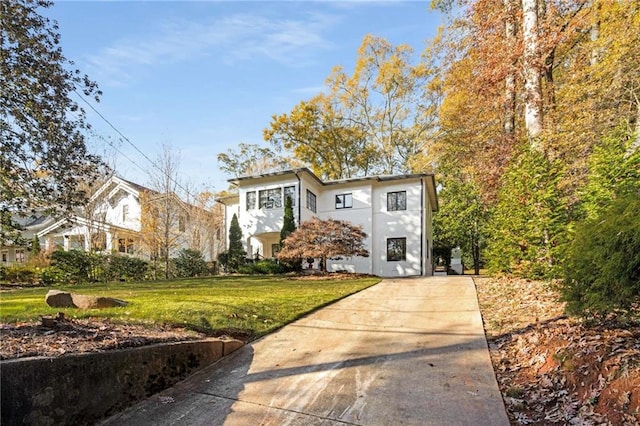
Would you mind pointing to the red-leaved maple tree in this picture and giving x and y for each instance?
(324, 239)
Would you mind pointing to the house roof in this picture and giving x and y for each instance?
(79, 220)
(429, 177)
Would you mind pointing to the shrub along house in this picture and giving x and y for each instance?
(394, 211)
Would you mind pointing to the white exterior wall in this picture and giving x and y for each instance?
(261, 227)
(360, 214)
(114, 213)
(399, 224)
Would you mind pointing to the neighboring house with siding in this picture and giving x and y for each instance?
(113, 222)
(394, 211)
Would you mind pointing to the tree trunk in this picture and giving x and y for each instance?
(531, 71)
(510, 80)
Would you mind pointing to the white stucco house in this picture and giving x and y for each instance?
(394, 211)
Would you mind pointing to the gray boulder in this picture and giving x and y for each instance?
(63, 299)
(59, 299)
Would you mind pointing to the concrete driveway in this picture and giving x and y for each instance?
(404, 352)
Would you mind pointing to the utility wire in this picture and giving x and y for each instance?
(133, 145)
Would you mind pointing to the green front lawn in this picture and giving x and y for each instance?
(258, 305)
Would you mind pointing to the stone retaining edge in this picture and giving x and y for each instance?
(83, 388)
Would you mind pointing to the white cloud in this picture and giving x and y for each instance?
(234, 38)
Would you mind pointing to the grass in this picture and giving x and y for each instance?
(257, 305)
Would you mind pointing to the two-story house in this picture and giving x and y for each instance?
(394, 211)
(122, 217)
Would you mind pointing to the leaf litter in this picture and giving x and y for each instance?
(552, 369)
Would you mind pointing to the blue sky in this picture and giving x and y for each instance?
(206, 76)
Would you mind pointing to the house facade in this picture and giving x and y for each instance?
(394, 211)
(116, 220)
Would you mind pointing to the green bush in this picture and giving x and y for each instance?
(190, 263)
(261, 267)
(603, 261)
(53, 275)
(20, 273)
(125, 268)
(75, 264)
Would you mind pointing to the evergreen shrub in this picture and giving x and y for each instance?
(602, 271)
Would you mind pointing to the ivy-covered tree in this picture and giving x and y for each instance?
(528, 225)
(602, 272)
(324, 239)
(44, 156)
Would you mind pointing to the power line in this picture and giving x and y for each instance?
(133, 145)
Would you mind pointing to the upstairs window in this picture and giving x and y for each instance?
(251, 200)
(125, 212)
(182, 223)
(396, 201)
(344, 201)
(311, 201)
(270, 198)
(396, 249)
(290, 192)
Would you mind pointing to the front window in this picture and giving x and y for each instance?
(5, 257)
(275, 248)
(98, 241)
(125, 213)
(251, 200)
(396, 249)
(182, 223)
(289, 192)
(344, 201)
(270, 198)
(311, 201)
(125, 245)
(20, 256)
(397, 201)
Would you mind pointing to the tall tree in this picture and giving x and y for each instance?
(318, 133)
(164, 214)
(372, 121)
(44, 155)
(251, 159)
(461, 220)
(531, 69)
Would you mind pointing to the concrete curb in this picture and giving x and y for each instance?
(83, 388)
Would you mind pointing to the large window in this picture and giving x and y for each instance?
(396, 249)
(98, 241)
(290, 192)
(251, 200)
(125, 245)
(344, 201)
(311, 201)
(396, 201)
(270, 198)
(5, 257)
